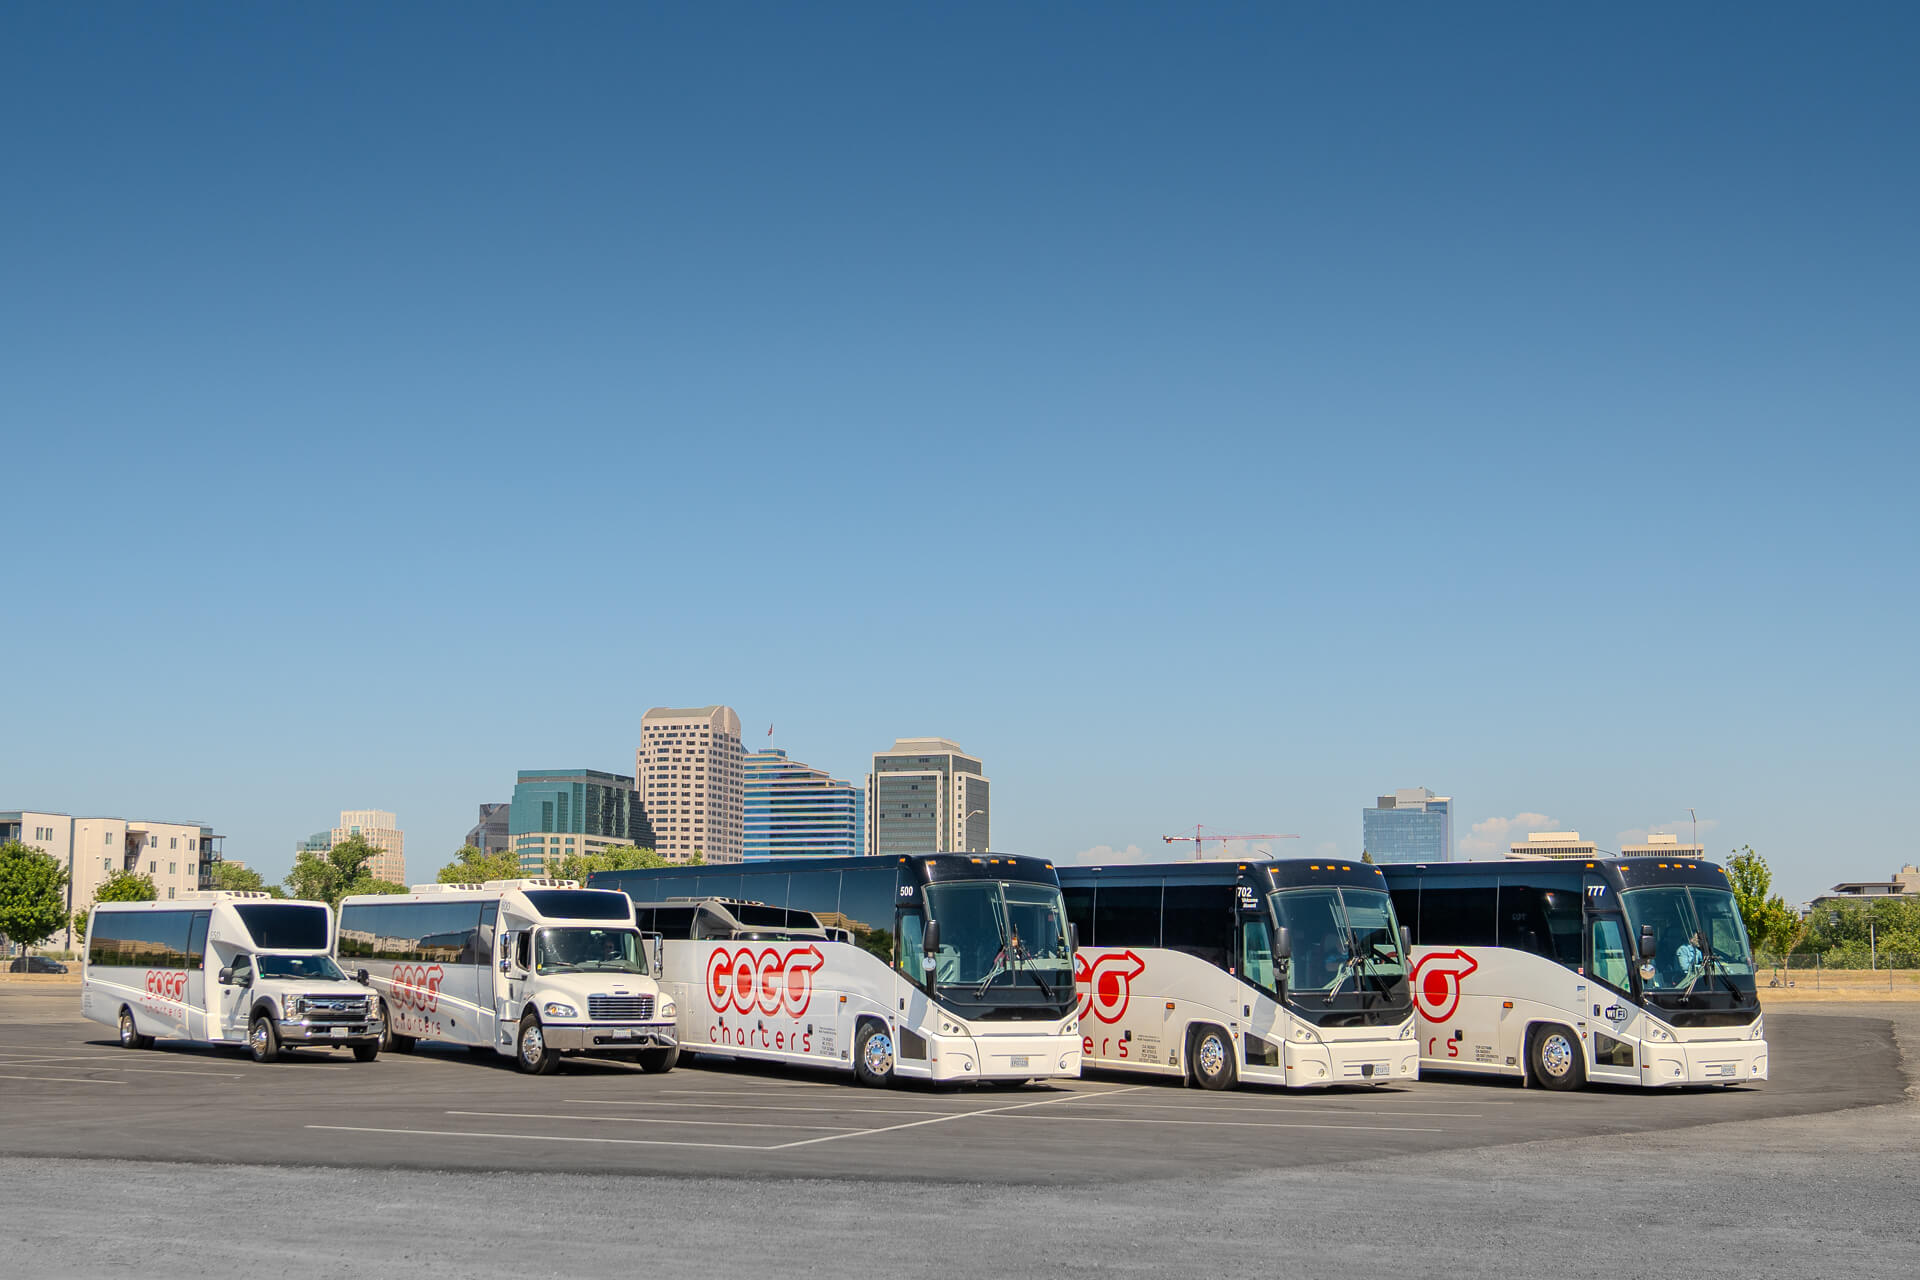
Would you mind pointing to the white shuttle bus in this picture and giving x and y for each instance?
(224, 968)
(950, 967)
(534, 969)
(1627, 971)
(1288, 973)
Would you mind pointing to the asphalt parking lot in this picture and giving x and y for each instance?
(67, 1090)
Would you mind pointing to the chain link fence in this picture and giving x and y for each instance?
(1840, 969)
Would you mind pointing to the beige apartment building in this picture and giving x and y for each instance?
(1660, 844)
(379, 829)
(690, 771)
(1553, 844)
(175, 856)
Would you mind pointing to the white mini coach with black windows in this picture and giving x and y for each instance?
(1631, 971)
(273, 985)
(1290, 972)
(534, 969)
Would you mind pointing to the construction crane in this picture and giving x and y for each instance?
(1201, 835)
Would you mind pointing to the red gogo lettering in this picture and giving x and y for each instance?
(1106, 985)
(166, 984)
(771, 981)
(1436, 982)
(417, 986)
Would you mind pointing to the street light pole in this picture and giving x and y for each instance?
(1696, 827)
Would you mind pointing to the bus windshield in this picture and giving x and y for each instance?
(1344, 942)
(1001, 933)
(1696, 932)
(588, 950)
(299, 968)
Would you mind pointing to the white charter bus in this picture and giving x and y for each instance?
(535, 969)
(1290, 973)
(950, 966)
(273, 985)
(1630, 971)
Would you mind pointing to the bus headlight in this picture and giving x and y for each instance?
(1406, 1031)
(554, 1009)
(668, 1009)
(1759, 1031)
(292, 1007)
(1657, 1033)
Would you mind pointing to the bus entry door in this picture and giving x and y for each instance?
(1613, 1024)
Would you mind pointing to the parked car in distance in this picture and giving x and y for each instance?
(35, 964)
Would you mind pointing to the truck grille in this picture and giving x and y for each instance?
(616, 1008)
(335, 1008)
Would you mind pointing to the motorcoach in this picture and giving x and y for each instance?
(1632, 971)
(949, 967)
(1284, 972)
(273, 988)
(534, 969)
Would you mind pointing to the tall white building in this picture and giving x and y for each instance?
(690, 771)
(379, 829)
(175, 856)
(926, 795)
(1660, 844)
(1553, 844)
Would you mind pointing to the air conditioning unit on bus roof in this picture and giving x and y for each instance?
(533, 882)
(224, 895)
(443, 888)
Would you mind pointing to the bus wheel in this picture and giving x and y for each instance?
(533, 1056)
(654, 1061)
(366, 1052)
(873, 1055)
(1211, 1058)
(1554, 1056)
(130, 1037)
(392, 1041)
(263, 1042)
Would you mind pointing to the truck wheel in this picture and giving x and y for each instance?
(1210, 1056)
(263, 1042)
(390, 1040)
(532, 1054)
(1553, 1052)
(654, 1061)
(365, 1052)
(130, 1037)
(873, 1055)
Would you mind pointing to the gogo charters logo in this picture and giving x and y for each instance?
(1436, 983)
(1106, 985)
(167, 985)
(771, 981)
(417, 986)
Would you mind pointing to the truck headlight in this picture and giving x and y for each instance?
(554, 1009)
(669, 1009)
(292, 1007)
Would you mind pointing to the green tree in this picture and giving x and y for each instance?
(471, 865)
(33, 900)
(619, 857)
(338, 872)
(1771, 924)
(1366, 857)
(238, 879)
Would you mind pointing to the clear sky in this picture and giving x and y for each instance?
(1203, 413)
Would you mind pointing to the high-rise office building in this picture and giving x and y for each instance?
(1553, 844)
(175, 856)
(1411, 825)
(556, 812)
(381, 830)
(490, 834)
(691, 772)
(926, 795)
(794, 810)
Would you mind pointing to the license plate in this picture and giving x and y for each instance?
(1018, 1062)
(336, 1031)
(622, 1033)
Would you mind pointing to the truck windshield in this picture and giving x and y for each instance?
(588, 950)
(1696, 932)
(299, 968)
(1001, 933)
(1345, 943)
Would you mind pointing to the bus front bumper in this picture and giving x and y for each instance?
(1310, 1066)
(564, 1037)
(1706, 1062)
(1003, 1057)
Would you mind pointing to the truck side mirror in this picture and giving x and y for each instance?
(931, 942)
(362, 977)
(1282, 944)
(226, 976)
(1406, 940)
(659, 955)
(1647, 947)
(507, 940)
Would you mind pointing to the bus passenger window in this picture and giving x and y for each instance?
(1609, 937)
(1256, 953)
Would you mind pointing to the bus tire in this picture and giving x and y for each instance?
(366, 1052)
(392, 1041)
(130, 1037)
(873, 1054)
(530, 1051)
(263, 1042)
(1210, 1058)
(655, 1061)
(1554, 1057)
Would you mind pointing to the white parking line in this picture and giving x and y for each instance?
(959, 1115)
(1238, 1124)
(606, 1119)
(65, 1080)
(742, 1106)
(540, 1137)
(1297, 1111)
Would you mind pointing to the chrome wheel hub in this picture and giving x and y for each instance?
(258, 1039)
(1556, 1056)
(533, 1046)
(1212, 1057)
(878, 1055)
(126, 1029)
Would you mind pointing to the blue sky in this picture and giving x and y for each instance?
(1203, 413)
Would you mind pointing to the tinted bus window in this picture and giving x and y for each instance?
(1458, 917)
(284, 926)
(1198, 919)
(866, 900)
(723, 884)
(769, 887)
(1080, 909)
(446, 932)
(581, 904)
(1127, 916)
(674, 922)
(1406, 905)
(197, 940)
(142, 939)
(483, 940)
(814, 891)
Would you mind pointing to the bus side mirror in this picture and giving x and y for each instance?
(226, 976)
(931, 942)
(362, 977)
(1073, 936)
(507, 941)
(1647, 947)
(1406, 940)
(1282, 944)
